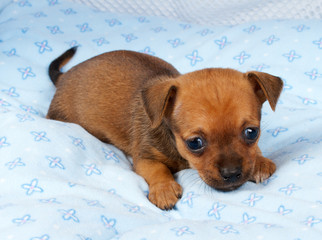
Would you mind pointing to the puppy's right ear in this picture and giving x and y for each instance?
(158, 100)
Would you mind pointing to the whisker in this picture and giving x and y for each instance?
(190, 179)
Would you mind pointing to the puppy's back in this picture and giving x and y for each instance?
(100, 93)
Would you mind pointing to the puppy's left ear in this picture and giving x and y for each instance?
(266, 87)
(158, 101)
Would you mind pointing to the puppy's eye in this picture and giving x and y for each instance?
(251, 134)
(196, 144)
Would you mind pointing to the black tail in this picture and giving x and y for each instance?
(58, 63)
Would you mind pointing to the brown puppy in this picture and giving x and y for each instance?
(208, 120)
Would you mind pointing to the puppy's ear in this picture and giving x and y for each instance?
(266, 87)
(158, 101)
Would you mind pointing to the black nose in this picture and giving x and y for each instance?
(231, 175)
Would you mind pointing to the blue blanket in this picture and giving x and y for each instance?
(59, 182)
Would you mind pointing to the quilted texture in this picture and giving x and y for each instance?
(213, 12)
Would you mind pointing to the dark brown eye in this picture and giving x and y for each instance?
(195, 144)
(251, 134)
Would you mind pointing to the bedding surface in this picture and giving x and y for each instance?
(59, 182)
(213, 12)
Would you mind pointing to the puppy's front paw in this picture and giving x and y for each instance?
(165, 194)
(264, 168)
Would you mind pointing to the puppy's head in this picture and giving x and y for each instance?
(214, 115)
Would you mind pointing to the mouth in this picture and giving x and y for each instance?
(220, 184)
(228, 188)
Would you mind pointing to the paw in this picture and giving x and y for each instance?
(165, 194)
(264, 168)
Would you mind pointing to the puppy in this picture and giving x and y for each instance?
(208, 120)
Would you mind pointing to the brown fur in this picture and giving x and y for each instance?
(144, 106)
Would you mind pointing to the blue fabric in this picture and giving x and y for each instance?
(59, 182)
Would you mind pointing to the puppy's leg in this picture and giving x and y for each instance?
(164, 191)
(264, 168)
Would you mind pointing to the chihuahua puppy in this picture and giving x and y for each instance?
(208, 120)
